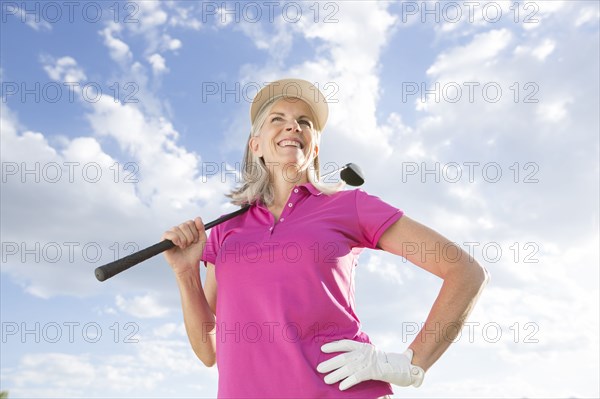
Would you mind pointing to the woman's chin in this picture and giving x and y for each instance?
(287, 162)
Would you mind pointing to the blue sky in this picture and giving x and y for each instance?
(513, 177)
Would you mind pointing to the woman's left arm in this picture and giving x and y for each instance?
(463, 277)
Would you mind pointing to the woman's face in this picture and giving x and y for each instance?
(286, 138)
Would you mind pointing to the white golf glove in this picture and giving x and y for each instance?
(362, 361)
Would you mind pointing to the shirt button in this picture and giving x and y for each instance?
(290, 204)
(281, 220)
(295, 190)
(271, 228)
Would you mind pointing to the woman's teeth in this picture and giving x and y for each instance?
(288, 143)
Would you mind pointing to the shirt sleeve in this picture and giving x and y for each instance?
(374, 216)
(213, 244)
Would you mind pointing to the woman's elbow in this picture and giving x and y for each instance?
(207, 357)
(470, 275)
(486, 276)
(208, 361)
(479, 276)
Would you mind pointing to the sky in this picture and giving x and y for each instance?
(122, 119)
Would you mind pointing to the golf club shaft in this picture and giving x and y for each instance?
(335, 171)
(113, 268)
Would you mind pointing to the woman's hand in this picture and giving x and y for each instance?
(362, 361)
(189, 239)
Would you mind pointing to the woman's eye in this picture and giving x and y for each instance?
(277, 118)
(307, 123)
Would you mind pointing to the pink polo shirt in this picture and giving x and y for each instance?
(286, 288)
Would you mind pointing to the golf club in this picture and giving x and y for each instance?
(350, 173)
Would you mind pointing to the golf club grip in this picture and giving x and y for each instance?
(113, 268)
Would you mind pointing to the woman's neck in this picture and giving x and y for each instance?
(282, 187)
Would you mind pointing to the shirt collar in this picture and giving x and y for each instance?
(312, 189)
(306, 187)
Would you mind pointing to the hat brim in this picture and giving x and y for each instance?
(292, 88)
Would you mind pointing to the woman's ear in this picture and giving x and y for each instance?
(254, 146)
(316, 151)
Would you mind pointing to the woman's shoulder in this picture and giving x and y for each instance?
(346, 196)
(333, 190)
(357, 198)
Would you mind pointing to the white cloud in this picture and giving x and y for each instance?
(544, 49)
(507, 131)
(344, 67)
(587, 15)
(152, 24)
(168, 169)
(151, 15)
(150, 368)
(483, 49)
(173, 44)
(395, 272)
(118, 49)
(143, 307)
(547, 8)
(184, 16)
(540, 51)
(275, 38)
(60, 204)
(158, 63)
(554, 112)
(85, 198)
(63, 190)
(154, 184)
(168, 329)
(53, 373)
(64, 69)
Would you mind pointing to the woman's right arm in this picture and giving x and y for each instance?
(198, 306)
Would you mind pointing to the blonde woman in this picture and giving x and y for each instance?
(277, 312)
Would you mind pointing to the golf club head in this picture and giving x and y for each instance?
(352, 175)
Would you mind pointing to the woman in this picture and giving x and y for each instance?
(276, 312)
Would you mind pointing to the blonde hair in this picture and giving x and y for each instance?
(256, 181)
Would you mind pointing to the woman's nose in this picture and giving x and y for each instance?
(293, 125)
